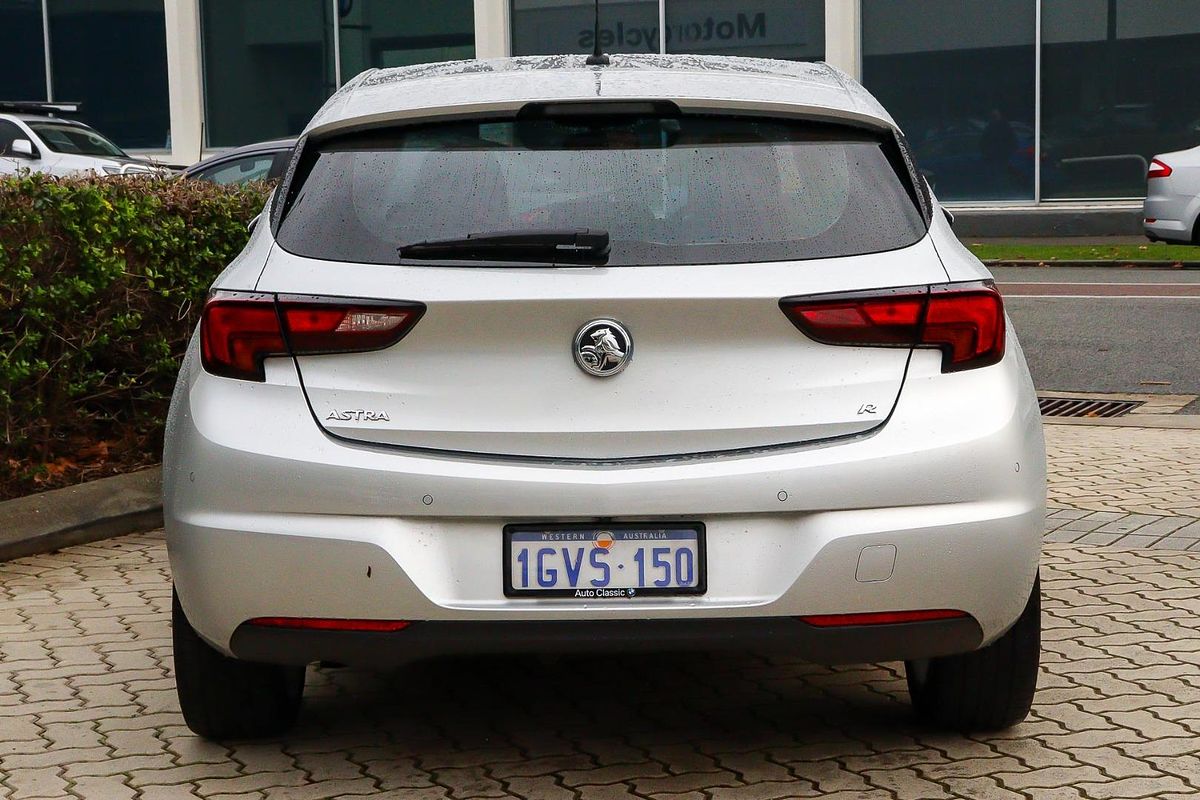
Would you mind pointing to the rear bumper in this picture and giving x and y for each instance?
(267, 516)
(851, 645)
(1174, 216)
(1172, 229)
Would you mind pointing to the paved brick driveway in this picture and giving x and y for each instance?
(1125, 487)
(1141, 470)
(87, 707)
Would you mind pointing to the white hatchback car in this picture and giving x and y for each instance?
(673, 352)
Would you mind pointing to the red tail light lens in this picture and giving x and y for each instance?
(239, 331)
(324, 624)
(968, 326)
(880, 618)
(878, 321)
(964, 321)
(1158, 169)
(324, 326)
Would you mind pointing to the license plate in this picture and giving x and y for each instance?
(604, 562)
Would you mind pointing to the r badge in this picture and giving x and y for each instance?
(603, 347)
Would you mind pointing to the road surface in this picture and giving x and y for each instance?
(1108, 329)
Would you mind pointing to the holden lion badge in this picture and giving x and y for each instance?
(603, 347)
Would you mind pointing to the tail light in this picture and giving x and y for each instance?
(881, 618)
(239, 331)
(963, 320)
(1158, 169)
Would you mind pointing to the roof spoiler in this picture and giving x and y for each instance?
(45, 108)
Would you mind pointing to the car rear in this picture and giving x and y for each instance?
(1172, 208)
(389, 444)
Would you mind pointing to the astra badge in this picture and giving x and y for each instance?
(358, 415)
(603, 347)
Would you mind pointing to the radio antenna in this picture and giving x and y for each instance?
(598, 58)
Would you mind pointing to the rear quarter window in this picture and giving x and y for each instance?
(677, 189)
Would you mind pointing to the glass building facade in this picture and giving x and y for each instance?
(270, 64)
(22, 50)
(384, 33)
(110, 56)
(543, 28)
(793, 29)
(958, 75)
(1004, 101)
(266, 65)
(1119, 81)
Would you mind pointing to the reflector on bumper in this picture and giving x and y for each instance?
(880, 618)
(321, 624)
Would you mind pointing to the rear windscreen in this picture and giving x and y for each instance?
(668, 189)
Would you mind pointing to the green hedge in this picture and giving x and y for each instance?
(101, 281)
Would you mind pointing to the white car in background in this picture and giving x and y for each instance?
(1172, 208)
(33, 139)
(672, 352)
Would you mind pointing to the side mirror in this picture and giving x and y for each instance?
(949, 216)
(23, 148)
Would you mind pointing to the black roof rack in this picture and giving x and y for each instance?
(48, 109)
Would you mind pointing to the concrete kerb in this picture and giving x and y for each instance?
(1190, 422)
(80, 514)
(1110, 262)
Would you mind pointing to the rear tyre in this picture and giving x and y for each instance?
(984, 690)
(224, 698)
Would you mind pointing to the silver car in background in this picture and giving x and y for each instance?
(261, 161)
(671, 352)
(1172, 208)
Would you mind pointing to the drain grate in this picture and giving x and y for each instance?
(1085, 407)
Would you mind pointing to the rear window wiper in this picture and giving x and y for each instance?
(575, 245)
